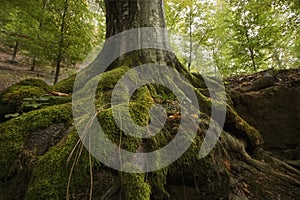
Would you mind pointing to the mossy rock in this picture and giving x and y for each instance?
(15, 95)
(35, 82)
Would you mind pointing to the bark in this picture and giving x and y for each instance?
(13, 60)
(61, 41)
(34, 58)
(126, 15)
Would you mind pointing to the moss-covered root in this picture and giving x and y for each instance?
(134, 187)
(51, 173)
(65, 86)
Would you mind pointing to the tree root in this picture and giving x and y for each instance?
(282, 163)
(239, 147)
(111, 191)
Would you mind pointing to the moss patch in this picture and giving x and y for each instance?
(65, 85)
(15, 95)
(15, 132)
(35, 82)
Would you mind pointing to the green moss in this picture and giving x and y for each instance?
(14, 132)
(15, 95)
(235, 124)
(108, 80)
(135, 187)
(65, 85)
(158, 182)
(50, 175)
(35, 82)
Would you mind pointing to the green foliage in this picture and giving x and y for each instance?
(234, 36)
(60, 32)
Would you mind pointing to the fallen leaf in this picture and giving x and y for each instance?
(227, 164)
(175, 116)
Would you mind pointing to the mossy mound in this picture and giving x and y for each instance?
(35, 82)
(27, 95)
(18, 154)
(65, 85)
(67, 170)
(16, 94)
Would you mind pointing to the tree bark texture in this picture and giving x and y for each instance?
(125, 15)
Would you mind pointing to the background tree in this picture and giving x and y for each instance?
(53, 32)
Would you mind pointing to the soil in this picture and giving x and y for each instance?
(14, 72)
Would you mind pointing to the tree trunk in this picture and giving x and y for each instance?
(16, 47)
(191, 40)
(34, 58)
(61, 41)
(126, 15)
(252, 58)
(33, 65)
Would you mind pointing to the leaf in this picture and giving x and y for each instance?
(175, 116)
(43, 98)
(33, 104)
(28, 99)
(227, 164)
(11, 115)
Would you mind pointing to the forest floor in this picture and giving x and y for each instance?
(11, 73)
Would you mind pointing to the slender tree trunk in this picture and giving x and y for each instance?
(191, 41)
(16, 47)
(61, 42)
(34, 58)
(252, 58)
(33, 65)
(251, 50)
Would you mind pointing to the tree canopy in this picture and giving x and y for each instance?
(229, 35)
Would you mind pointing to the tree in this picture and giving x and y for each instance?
(58, 33)
(237, 157)
(126, 15)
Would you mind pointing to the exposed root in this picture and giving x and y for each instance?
(111, 191)
(239, 147)
(282, 163)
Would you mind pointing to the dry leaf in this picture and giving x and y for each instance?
(227, 164)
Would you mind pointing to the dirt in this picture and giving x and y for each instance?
(13, 72)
